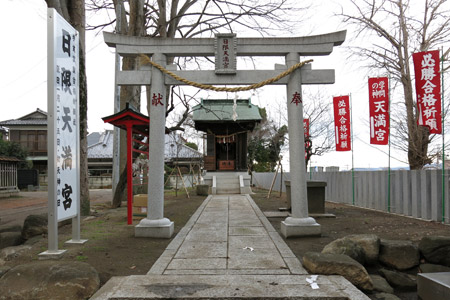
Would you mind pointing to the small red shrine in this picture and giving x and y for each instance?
(134, 123)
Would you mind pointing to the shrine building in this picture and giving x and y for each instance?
(226, 124)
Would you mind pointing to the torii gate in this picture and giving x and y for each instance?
(225, 48)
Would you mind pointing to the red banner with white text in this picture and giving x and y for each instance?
(306, 128)
(428, 89)
(379, 110)
(341, 106)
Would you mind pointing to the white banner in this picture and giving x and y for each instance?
(63, 118)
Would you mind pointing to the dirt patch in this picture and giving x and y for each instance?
(113, 250)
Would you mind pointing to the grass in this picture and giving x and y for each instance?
(81, 258)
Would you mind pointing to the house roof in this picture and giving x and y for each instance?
(175, 149)
(9, 158)
(222, 110)
(100, 145)
(35, 118)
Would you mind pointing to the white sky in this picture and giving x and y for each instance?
(23, 78)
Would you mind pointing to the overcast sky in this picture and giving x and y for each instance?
(23, 79)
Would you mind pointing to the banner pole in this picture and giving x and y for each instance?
(443, 135)
(389, 142)
(353, 166)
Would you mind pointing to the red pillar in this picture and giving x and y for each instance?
(129, 173)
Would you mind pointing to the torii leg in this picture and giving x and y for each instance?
(299, 224)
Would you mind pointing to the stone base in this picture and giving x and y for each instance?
(162, 228)
(75, 242)
(54, 254)
(297, 227)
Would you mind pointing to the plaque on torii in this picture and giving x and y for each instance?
(225, 48)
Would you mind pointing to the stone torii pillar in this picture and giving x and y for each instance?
(155, 225)
(225, 48)
(299, 224)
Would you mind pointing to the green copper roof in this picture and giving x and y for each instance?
(222, 110)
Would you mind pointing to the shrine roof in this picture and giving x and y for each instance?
(129, 116)
(221, 110)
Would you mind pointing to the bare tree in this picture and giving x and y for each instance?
(318, 110)
(193, 18)
(321, 133)
(73, 11)
(396, 30)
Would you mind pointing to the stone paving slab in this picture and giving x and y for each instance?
(227, 287)
(228, 249)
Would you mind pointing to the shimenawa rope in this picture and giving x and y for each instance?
(147, 60)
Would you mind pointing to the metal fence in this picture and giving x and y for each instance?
(419, 194)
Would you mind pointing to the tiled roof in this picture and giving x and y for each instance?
(102, 144)
(223, 110)
(36, 118)
(9, 158)
(34, 122)
(175, 149)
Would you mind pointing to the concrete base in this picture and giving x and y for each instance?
(297, 227)
(433, 286)
(162, 228)
(54, 254)
(75, 242)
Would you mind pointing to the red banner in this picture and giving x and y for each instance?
(341, 106)
(379, 110)
(306, 128)
(306, 133)
(428, 89)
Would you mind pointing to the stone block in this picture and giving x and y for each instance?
(296, 227)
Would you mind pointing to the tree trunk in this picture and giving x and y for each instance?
(128, 94)
(119, 193)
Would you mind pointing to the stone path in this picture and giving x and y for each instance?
(227, 249)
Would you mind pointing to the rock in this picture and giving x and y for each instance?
(381, 285)
(400, 255)
(347, 247)
(436, 249)
(33, 240)
(10, 253)
(338, 264)
(431, 268)
(34, 225)
(400, 280)
(50, 280)
(9, 239)
(4, 270)
(383, 296)
(370, 244)
(10, 228)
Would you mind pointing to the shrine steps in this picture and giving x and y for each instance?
(225, 183)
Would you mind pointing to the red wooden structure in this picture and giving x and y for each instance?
(134, 123)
